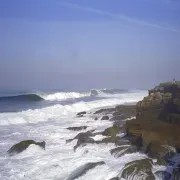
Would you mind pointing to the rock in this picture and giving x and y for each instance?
(162, 153)
(163, 175)
(81, 135)
(111, 131)
(83, 139)
(117, 113)
(105, 111)
(23, 145)
(127, 110)
(157, 120)
(81, 114)
(139, 169)
(114, 139)
(120, 151)
(83, 170)
(114, 178)
(105, 118)
(118, 118)
(77, 128)
(176, 173)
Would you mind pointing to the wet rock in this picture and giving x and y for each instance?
(139, 169)
(81, 114)
(115, 140)
(163, 175)
(23, 145)
(105, 118)
(81, 136)
(127, 110)
(176, 173)
(117, 113)
(84, 169)
(120, 151)
(105, 111)
(114, 178)
(118, 118)
(82, 141)
(112, 131)
(163, 153)
(77, 128)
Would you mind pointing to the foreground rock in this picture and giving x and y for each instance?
(139, 169)
(23, 145)
(83, 169)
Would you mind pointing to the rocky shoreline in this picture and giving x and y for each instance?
(151, 127)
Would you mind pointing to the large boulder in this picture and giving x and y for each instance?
(23, 145)
(139, 169)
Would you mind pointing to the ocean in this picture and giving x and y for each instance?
(45, 116)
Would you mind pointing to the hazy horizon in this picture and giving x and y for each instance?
(58, 44)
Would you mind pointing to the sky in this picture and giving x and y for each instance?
(82, 44)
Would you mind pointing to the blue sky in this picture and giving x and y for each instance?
(51, 44)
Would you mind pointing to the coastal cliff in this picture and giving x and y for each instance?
(158, 119)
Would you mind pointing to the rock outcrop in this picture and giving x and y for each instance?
(23, 145)
(157, 122)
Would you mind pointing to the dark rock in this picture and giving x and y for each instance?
(96, 118)
(81, 135)
(114, 139)
(158, 120)
(105, 111)
(139, 169)
(118, 118)
(77, 128)
(163, 175)
(81, 114)
(111, 131)
(117, 113)
(120, 151)
(83, 170)
(105, 118)
(176, 173)
(127, 110)
(83, 139)
(114, 178)
(23, 145)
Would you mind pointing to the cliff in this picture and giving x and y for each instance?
(158, 119)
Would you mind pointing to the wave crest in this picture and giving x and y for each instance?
(23, 97)
(61, 96)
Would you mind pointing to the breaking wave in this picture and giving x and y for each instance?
(57, 111)
(61, 96)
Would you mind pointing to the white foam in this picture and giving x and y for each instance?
(59, 158)
(64, 95)
(58, 111)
